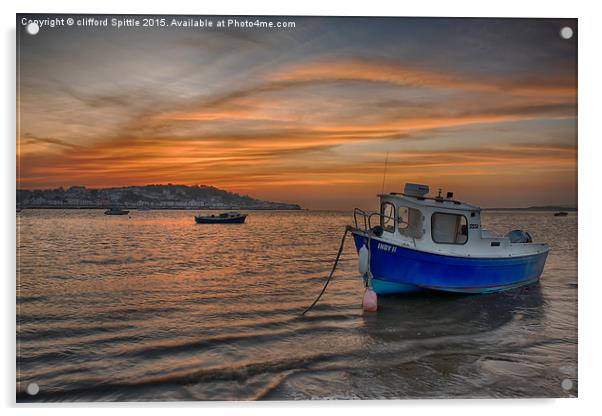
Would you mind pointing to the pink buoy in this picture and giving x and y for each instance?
(370, 302)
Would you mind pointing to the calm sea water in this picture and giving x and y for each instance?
(155, 307)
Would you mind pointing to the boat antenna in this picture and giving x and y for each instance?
(382, 191)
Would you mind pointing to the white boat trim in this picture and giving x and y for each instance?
(404, 244)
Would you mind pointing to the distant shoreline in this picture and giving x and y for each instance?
(170, 196)
(533, 209)
(170, 208)
(272, 209)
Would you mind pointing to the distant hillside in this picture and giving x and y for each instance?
(150, 196)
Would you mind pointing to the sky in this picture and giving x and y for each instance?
(486, 108)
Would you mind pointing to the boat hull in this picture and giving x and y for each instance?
(217, 220)
(397, 269)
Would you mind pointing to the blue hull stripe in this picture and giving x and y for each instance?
(401, 270)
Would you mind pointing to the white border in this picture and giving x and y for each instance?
(590, 289)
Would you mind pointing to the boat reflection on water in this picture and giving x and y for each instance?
(430, 314)
(466, 344)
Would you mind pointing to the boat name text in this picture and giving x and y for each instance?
(387, 248)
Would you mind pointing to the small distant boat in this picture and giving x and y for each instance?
(561, 214)
(116, 211)
(422, 243)
(223, 218)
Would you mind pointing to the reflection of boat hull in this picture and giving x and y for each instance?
(220, 220)
(397, 269)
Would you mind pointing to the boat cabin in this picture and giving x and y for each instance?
(441, 225)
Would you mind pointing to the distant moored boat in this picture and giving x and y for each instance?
(223, 218)
(561, 214)
(116, 211)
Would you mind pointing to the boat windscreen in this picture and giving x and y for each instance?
(410, 222)
(387, 217)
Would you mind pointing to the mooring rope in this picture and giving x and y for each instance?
(334, 266)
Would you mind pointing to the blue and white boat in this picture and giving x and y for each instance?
(417, 243)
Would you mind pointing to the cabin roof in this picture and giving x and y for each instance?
(432, 202)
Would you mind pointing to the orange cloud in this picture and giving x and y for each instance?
(283, 134)
(407, 75)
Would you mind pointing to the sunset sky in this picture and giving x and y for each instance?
(486, 108)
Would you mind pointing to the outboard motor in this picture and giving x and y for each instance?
(519, 236)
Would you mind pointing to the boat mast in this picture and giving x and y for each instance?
(382, 191)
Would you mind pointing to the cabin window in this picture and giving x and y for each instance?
(387, 217)
(449, 228)
(409, 222)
